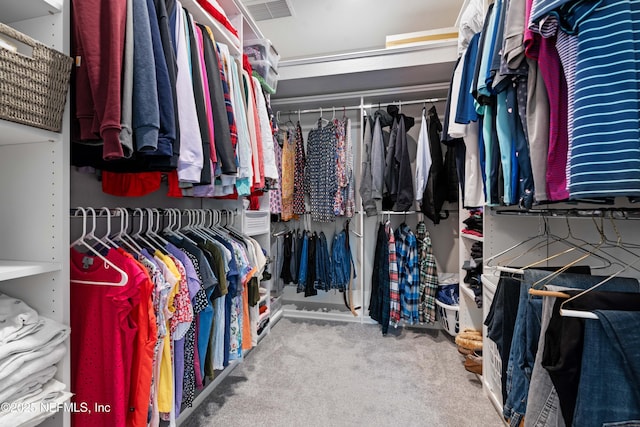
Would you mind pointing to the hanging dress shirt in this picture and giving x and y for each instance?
(191, 159)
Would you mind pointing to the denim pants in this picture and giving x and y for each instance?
(563, 356)
(609, 391)
(543, 408)
(341, 262)
(303, 264)
(501, 320)
(527, 333)
(323, 264)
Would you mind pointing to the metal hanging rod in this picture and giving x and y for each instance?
(450, 211)
(363, 106)
(116, 212)
(615, 213)
(321, 110)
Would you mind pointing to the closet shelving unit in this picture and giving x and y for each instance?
(256, 224)
(34, 188)
(411, 99)
(85, 190)
(469, 313)
(569, 221)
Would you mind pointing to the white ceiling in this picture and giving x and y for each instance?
(321, 27)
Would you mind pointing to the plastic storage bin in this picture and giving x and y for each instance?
(262, 50)
(267, 74)
(449, 317)
(255, 222)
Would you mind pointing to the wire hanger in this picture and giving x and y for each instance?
(124, 278)
(561, 270)
(542, 232)
(584, 314)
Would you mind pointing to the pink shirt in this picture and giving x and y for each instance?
(102, 337)
(550, 67)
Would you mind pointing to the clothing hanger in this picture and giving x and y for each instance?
(212, 228)
(543, 229)
(322, 120)
(122, 235)
(193, 227)
(171, 222)
(584, 314)
(124, 278)
(549, 238)
(584, 246)
(90, 236)
(616, 244)
(155, 220)
(148, 232)
(143, 238)
(106, 237)
(571, 263)
(176, 221)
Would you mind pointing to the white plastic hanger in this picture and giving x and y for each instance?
(152, 222)
(123, 236)
(176, 221)
(106, 237)
(124, 278)
(138, 234)
(90, 236)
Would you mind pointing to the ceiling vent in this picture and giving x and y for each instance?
(264, 10)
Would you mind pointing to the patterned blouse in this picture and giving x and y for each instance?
(299, 173)
(321, 174)
(288, 174)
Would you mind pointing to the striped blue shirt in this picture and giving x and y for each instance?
(605, 149)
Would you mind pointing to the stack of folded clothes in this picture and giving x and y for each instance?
(30, 348)
(473, 224)
(473, 278)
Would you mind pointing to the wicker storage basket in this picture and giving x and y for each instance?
(33, 90)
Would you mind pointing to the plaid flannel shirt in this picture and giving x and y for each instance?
(408, 273)
(428, 276)
(394, 291)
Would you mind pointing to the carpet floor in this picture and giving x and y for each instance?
(314, 373)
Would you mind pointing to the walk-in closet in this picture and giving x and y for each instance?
(292, 212)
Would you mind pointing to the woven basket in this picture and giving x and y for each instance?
(33, 90)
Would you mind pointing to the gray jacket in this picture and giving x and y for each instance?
(366, 180)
